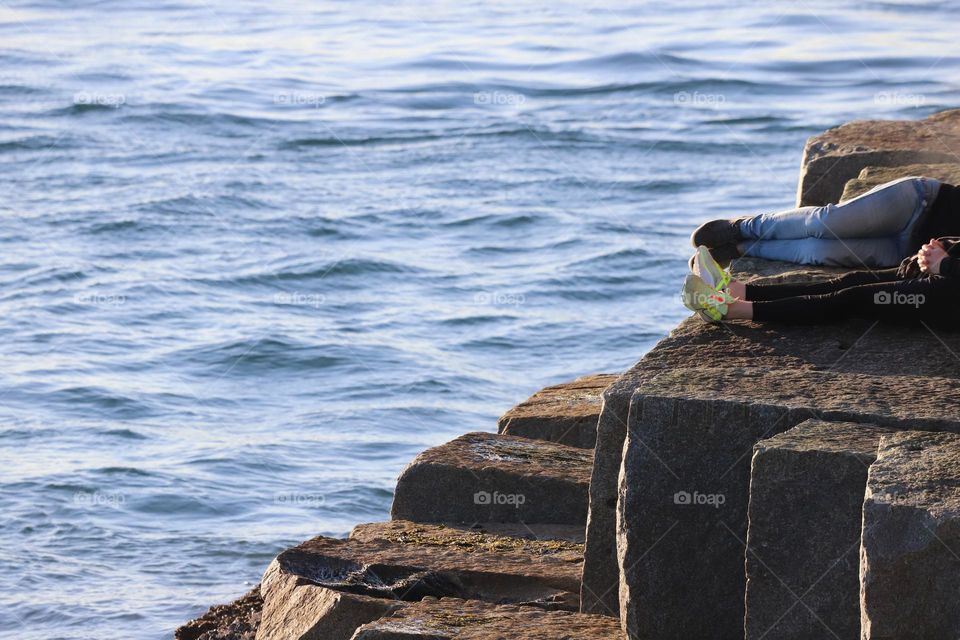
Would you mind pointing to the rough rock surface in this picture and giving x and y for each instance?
(296, 608)
(872, 177)
(484, 477)
(492, 534)
(692, 431)
(448, 618)
(326, 587)
(235, 621)
(565, 413)
(910, 557)
(855, 346)
(803, 538)
(837, 155)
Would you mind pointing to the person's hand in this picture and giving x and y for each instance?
(930, 256)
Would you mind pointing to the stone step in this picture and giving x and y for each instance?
(493, 533)
(871, 177)
(837, 155)
(693, 430)
(803, 537)
(326, 587)
(910, 558)
(449, 619)
(485, 477)
(565, 413)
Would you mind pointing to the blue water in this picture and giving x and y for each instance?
(255, 256)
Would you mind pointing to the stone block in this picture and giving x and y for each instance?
(684, 483)
(910, 556)
(839, 154)
(451, 619)
(564, 413)
(325, 588)
(803, 537)
(871, 177)
(297, 608)
(484, 477)
(493, 534)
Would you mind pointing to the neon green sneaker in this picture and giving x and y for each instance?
(708, 303)
(702, 264)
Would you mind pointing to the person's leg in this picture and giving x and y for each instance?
(927, 299)
(851, 252)
(885, 210)
(766, 292)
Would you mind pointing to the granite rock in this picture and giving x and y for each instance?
(910, 554)
(854, 346)
(564, 413)
(326, 587)
(839, 154)
(452, 619)
(690, 433)
(296, 608)
(803, 537)
(871, 177)
(484, 477)
(493, 534)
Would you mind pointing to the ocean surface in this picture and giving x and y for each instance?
(255, 256)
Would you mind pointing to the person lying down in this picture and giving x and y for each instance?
(912, 222)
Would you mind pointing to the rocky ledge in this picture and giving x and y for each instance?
(807, 487)
(451, 619)
(837, 156)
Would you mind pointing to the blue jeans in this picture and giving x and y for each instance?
(875, 229)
